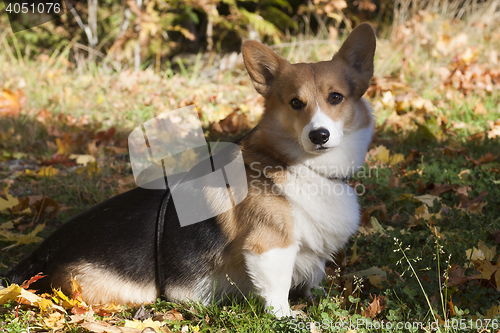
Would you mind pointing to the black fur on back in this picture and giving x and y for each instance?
(119, 235)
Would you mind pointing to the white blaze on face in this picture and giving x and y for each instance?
(321, 120)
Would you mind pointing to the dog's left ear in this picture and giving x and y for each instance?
(358, 52)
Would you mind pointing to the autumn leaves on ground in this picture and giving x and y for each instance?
(426, 249)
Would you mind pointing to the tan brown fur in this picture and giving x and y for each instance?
(261, 221)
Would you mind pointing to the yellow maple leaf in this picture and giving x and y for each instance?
(9, 202)
(10, 293)
(48, 171)
(144, 324)
(482, 252)
(29, 238)
(492, 312)
(382, 154)
(396, 158)
(60, 298)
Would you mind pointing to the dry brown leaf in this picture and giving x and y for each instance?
(438, 189)
(456, 276)
(375, 307)
(174, 315)
(473, 206)
(489, 157)
(366, 213)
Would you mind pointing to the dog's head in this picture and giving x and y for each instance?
(314, 105)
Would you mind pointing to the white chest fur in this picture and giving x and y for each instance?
(326, 214)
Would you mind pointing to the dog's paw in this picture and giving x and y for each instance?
(281, 312)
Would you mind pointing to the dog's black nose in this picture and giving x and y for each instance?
(319, 136)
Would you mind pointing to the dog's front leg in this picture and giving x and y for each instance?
(271, 274)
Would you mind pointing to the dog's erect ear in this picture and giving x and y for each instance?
(358, 51)
(262, 65)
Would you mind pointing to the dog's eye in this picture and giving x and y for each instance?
(335, 98)
(296, 104)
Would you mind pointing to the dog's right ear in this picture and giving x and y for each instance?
(262, 65)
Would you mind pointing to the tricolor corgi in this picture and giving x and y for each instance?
(315, 129)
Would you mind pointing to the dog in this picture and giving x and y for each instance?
(314, 131)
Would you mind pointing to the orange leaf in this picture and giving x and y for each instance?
(35, 278)
(10, 102)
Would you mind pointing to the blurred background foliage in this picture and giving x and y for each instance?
(146, 32)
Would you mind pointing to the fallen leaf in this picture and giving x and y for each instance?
(482, 252)
(456, 275)
(489, 157)
(493, 312)
(44, 205)
(105, 135)
(438, 189)
(48, 171)
(108, 309)
(381, 154)
(54, 321)
(8, 202)
(82, 159)
(141, 325)
(11, 103)
(27, 283)
(174, 315)
(11, 293)
(29, 238)
(366, 213)
(374, 270)
(64, 144)
(58, 159)
(376, 306)
(428, 199)
(473, 206)
(485, 267)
